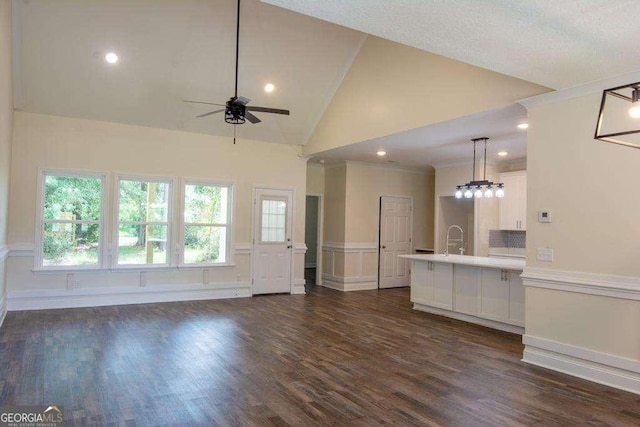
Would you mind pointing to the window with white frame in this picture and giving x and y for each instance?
(206, 222)
(71, 220)
(143, 225)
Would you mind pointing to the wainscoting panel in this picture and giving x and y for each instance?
(347, 267)
(613, 295)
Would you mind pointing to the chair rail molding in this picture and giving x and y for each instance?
(581, 282)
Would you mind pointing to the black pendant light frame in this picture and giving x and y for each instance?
(475, 184)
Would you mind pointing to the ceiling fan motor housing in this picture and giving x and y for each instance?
(234, 112)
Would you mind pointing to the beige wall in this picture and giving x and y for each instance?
(365, 185)
(42, 141)
(486, 211)
(351, 221)
(591, 189)
(392, 88)
(315, 178)
(335, 188)
(6, 124)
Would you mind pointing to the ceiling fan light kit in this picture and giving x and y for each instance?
(619, 116)
(236, 110)
(479, 188)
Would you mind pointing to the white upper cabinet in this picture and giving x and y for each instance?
(513, 206)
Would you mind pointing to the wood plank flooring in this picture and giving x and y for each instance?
(361, 358)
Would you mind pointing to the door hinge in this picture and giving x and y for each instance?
(252, 281)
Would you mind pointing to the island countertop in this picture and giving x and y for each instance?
(477, 261)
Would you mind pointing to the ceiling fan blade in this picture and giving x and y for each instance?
(268, 110)
(208, 103)
(253, 119)
(243, 100)
(209, 113)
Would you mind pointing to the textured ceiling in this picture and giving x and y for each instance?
(554, 43)
(171, 50)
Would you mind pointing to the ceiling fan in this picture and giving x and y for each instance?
(236, 110)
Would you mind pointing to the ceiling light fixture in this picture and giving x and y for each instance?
(502, 153)
(474, 188)
(269, 87)
(111, 58)
(523, 126)
(619, 116)
(381, 153)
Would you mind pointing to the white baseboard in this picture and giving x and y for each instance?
(3, 309)
(349, 286)
(298, 287)
(602, 368)
(471, 319)
(39, 300)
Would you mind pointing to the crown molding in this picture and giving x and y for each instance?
(581, 90)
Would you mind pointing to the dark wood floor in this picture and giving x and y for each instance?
(361, 358)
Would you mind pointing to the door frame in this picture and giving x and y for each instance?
(254, 212)
(380, 230)
(319, 241)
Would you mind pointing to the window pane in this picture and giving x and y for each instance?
(70, 198)
(203, 244)
(205, 204)
(144, 201)
(140, 244)
(65, 244)
(274, 219)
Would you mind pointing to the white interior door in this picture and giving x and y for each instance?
(272, 241)
(395, 239)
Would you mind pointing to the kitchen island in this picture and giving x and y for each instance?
(486, 291)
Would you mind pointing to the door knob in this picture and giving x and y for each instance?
(289, 247)
(383, 247)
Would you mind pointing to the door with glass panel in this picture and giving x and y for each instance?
(272, 241)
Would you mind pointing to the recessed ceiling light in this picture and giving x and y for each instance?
(269, 87)
(111, 58)
(523, 126)
(381, 153)
(502, 153)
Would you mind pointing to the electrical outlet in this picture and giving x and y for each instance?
(544, 254)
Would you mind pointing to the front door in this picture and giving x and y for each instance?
(272, 241)
(395, 239)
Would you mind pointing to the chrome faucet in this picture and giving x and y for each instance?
(452, 242)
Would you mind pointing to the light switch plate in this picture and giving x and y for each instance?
(544, 254)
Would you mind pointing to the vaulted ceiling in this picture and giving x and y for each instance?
(172, 50)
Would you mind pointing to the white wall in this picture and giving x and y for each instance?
(42, 141)
(583, 309)
(6, 125)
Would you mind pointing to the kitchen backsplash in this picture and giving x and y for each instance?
(507, 239)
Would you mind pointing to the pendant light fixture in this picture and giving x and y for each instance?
(619, 117)
(479, 188)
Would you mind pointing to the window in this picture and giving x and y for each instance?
(143, 229)
(207, 215)
(274, 220)
(70, 230)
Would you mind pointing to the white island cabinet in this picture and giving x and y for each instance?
(487, 291)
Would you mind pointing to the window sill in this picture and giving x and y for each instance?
(131, 269)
